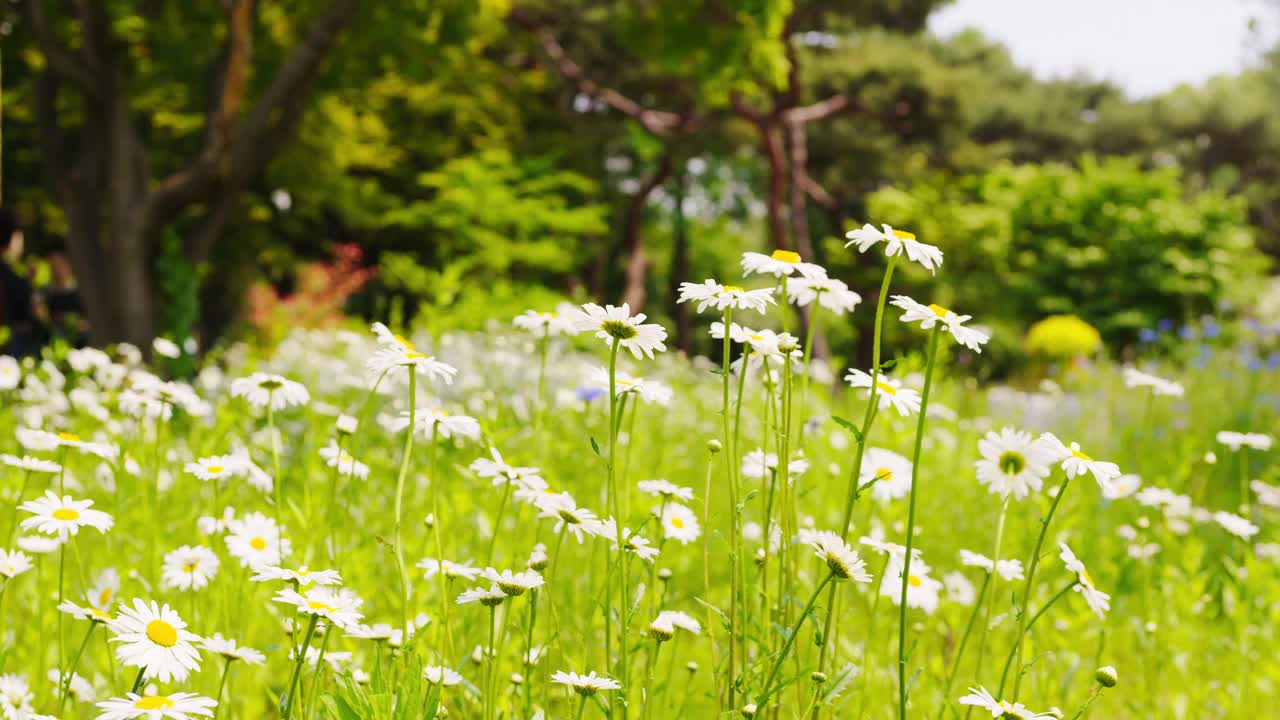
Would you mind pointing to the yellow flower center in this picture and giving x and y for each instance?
(154, 702)
(344, 457)
(98, 613)
(162, 633)
(68, 437)
(1085, 578)
(756, 337)
(214, 469)
(105, 596)
(914, 581)
(1081, 456)
(414, 355)
(887, 388)
(786, 256)
(190, 567)
(320, 606)
(904, 235)
(67, 514)
(884, 474)
(677, 523)
(302, 572)
(939, 310)
(403, 342)
(258, 544)
(730, 288)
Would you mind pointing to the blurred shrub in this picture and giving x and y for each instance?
(1108, 241)
(319, 296)
(1062, 336)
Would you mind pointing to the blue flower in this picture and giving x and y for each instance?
(1147, 335)
(587, 394)
(1165, 325)
(1186, 332)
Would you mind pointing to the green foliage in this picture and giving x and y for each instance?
(180, 299)
(1119, 246)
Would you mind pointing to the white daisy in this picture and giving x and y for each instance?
(896, 242)
(710, 293)
(1014, 463)
(585, 685)
(190, 567)
(63, 517)
(756, 463)
(40, 544)
(891, 472)
(513, 584)
(889, 392)
(242, 465)
(1098, 601)
(563, 508)
(830, 293)
(1268, 495)
(90, 613)
(431, 566)
(1122, 487)
(843, 561)
(336, 457)
(678, 522)
(15, 697)
(229, 650)
(31, 464)
(10, 372)
(431, 422)
(255, 540)
(979, 697)
(1236, 525)
(923, 592)
(664, 489)
(395, 351)
(616, 323)
(929, 315)
(13, 563)
(780, 263)
(440, 675)
(959, 589)
(1134, 378)
(489, 598)
(1075, 462)
(1007, 569)
(339, 607)
(155, 638)
(303, 576)
(632, 542)
(79, 689)
(501, 472)
(546, 323)
(216, 467)
(178, 706)
(262, 389)
(1237, 440)
(678, 620)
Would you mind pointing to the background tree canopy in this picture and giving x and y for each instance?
(488, 156)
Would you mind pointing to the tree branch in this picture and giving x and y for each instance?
(819, 110)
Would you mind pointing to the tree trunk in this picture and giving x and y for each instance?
(679, 266)
(771, 139)
(634, 293)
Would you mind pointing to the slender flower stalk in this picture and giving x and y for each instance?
(791, 639)
(290, 700)
(735, 581)
(990, 600)
(1017, 649)
(399, 506)
(964, 641)
(624, 659)
(911, 521)
(64, 686)
(222, 685)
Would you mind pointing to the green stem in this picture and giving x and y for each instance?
(222, 685)
(139, 681)
(497, 522)
(730, 462)
(986, 623)
(1097, 692)
(436, 483)
(1004, 674)
(404, 472)
(791, 640)
(1032, 564)
(582, 706)
(13, 515)
(911, 521)
(615, 507)
(67, 674)
(964, 640)
(285, 712)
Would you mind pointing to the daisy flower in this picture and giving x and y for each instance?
(780, 263)
(1013, 463)
(15, 697)
(40, 544)
(513, 584)
(395, 351)
(190, 567)
(155, 638)
(440, 675)
(1268, 495)
(302, 576)
(211, 468)
(616, 323)
(664, 489)
(80, 689)
(632, 541)
(13, 563)
(262, 389)
(563, 508)
(431, 422)
(1007, 569)
(431, 566)
(489, 598)
(339, 607)
(1134, 378)
(710, 293)
(90, 613)
(229, 650)
(896, 242)
(255, 540)
(889, 392)
(923, 592)
(585, 685)
(843, 561)
(1122, 487)
(178, 706)
(680, 620)
(63, 517)
(650, 391)
(1237, 440)
(958, 588)
(756, 463)
(501, 472)
(1236, 525)
(930, 315)
(335, 456)
(242, 465)
(678, 522)
(31, 464)
(545, 323)
(1098, 601)
(830, 293)
(11, 372)
(891, 472)
(1075, 462)
(979, 697)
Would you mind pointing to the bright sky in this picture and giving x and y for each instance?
(1145, 46)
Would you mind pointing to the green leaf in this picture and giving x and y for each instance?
(857, 433)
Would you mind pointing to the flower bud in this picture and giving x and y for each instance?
(345, 425)
(714, 446)
(664, 574)
(749, 710)
(818, 677)
(692, 667)
(1106, 676)
(661, 631)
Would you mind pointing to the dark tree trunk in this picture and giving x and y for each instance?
(771, 138)
(679, 266)
(637, 270)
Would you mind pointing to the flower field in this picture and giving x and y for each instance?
(555, 518)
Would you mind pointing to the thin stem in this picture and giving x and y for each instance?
(497, 522)
(490, 661)
(13, 515)
(404, 472)
(964, 640)
(434, 462)
(986, 622)
(706, 568)
(68, 673)
(139, 680)
(911, 521)
(1097, 692)
(285, 712)
(582, 706)
(1032, 564)
(791, 639)
(731, 461)
(222, 684)
(1004, 674)
(615, 508)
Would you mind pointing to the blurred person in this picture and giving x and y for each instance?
(23, 309)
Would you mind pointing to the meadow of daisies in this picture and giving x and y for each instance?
(557, 518)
